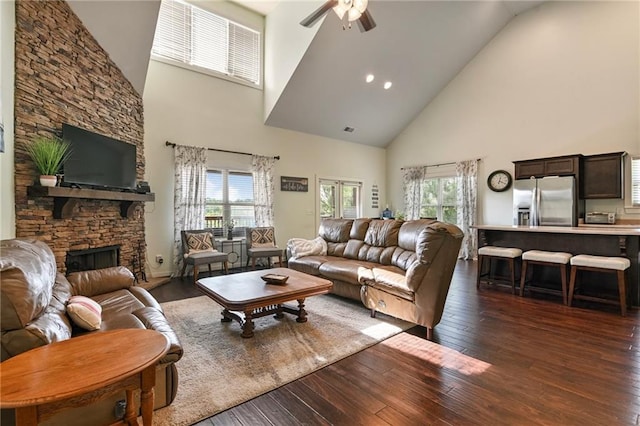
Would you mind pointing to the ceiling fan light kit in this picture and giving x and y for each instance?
(349, 10)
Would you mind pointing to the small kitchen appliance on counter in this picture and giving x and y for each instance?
(606, 218)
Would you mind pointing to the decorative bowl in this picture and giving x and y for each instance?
(275, 278)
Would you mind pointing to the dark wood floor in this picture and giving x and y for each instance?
(495, 359)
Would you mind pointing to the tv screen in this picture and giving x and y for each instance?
(98, 161)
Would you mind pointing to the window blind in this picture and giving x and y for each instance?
(196, 37)
(635, 180)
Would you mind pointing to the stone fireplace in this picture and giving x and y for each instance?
(62, 75)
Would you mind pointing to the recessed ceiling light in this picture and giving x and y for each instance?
(369, 78)
(387, 85)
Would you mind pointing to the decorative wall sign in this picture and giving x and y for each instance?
(295, 184)
(374, 197)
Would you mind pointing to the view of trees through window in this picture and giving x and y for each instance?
(439, 199)
(229, 196)
(340, 199)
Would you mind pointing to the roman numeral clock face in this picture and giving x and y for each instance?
(499, 181)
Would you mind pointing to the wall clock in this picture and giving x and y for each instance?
(499, 181)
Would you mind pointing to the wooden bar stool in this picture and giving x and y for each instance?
(600, 264)
(545, 258)
(507, 254)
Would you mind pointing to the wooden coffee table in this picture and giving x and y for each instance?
(51, 378)
(246, 296)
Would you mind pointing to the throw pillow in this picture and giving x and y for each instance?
(84, 312)
(262, 237)
(200, 241)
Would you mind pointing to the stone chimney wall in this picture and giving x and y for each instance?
(63, 76)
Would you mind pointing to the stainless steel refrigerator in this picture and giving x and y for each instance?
(548, 201)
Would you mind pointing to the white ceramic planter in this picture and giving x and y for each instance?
(47, 180)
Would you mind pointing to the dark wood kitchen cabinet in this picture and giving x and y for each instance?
(568, 165)
(602, 176)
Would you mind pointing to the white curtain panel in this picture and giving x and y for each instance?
(189, 196)
(467, 201)
(412, 178)
(262, 168)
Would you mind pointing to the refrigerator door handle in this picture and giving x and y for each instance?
(535, 207)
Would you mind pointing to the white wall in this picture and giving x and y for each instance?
(286, 42)
(7, 75)
(560, 79)
(190, 108)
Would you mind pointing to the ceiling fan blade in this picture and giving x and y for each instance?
(366, 22)
(311, 19)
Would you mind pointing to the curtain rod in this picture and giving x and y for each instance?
(171, 144)
(441, 164)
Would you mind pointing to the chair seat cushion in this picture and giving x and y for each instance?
(617, 263)
(499, 251)
(203, 258)
(547, 256)
(264, 251)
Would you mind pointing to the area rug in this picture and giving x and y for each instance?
(220, 369)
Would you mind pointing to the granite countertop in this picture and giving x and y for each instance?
(582, 229)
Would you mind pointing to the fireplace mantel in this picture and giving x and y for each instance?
(65, 199)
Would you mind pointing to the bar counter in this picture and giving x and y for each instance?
(597, 240)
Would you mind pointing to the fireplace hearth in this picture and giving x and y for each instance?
(94, 258)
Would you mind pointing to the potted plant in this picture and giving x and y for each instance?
(48, 154)
(229, 225)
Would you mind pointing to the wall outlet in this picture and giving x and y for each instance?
(120, 409)
(159, 259)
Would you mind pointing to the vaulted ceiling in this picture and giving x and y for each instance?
(420, 46)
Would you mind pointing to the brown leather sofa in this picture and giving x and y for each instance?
(33, 313)
(399, 268)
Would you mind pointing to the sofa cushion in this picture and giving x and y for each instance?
(117, 302)
(402, 258)
(308, 264)
(99, 281)
(344, 270)
(28, 269)
(52, 326)
(383, 233)
(359, 229)
(352, 249)
(391, 281)
(335, 230)
(410, 231)
(84, 312)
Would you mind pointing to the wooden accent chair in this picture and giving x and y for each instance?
(261, 242)
(198, 248)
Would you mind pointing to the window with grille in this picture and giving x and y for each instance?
(187, 35)
(635, 180)
(439, 199)
(229, 197)
(340, 199)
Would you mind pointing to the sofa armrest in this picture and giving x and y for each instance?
(154, 319)
(99, 281)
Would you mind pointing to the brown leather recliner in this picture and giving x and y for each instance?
(402, 269)
(33, 299)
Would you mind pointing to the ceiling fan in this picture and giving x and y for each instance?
(349, 10)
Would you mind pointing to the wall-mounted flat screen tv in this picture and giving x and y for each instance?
(98, 161)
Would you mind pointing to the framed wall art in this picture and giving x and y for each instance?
(294, 184)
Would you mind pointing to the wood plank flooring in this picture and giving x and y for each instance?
(496, 359)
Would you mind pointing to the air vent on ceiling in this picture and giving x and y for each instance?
(349, 129)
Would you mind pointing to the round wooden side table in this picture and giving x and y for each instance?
(48, 379)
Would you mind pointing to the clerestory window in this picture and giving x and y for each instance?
(197, 39)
